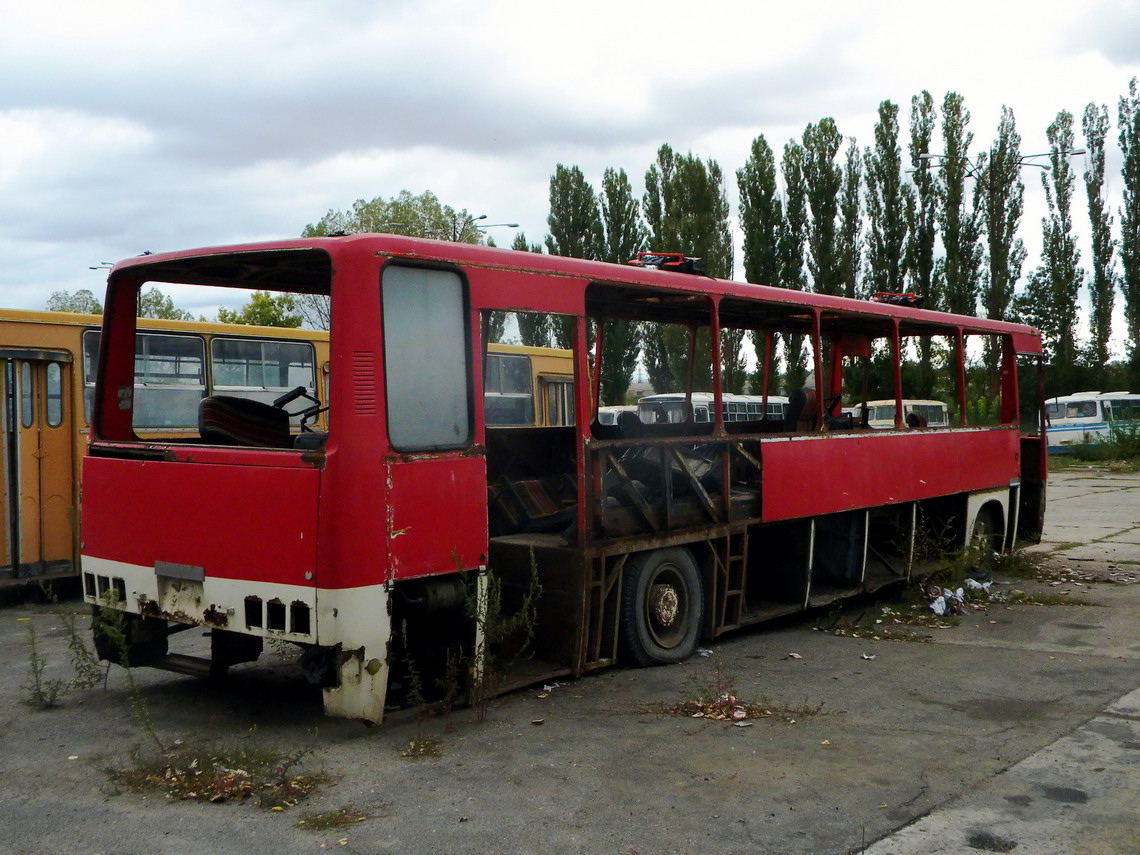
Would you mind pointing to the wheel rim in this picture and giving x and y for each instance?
(666, 606)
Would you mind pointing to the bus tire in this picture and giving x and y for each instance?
(984, 546)
(662, 603)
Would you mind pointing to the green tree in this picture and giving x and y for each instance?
(823, 180)
(1001, 193)
(623, 236)
(687, 211)
(888, 201)
(534, 327)
(922, 229)
(762, 221)
(404, 214)
(575, 227)
(575, 230)
(82, 301)
(1060, 256)
(1102, 284)
(623, 230)
(154, 304)
(850, 245)
(793, 238)
(1129, 125)
(264, 309)
(958, 221)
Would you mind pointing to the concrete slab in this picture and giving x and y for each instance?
(1079, 795)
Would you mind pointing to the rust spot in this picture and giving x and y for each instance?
(149, 608)
(314, 457)
(215, 617)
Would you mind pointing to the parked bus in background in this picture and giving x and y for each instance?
(410, 527)
(881, 414)
(1085, 417)
(47, 382)
(610, 415)
(670, 407)
(528, 386)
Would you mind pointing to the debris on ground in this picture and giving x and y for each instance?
(944, 601)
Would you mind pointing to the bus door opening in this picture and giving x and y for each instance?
(36, 465)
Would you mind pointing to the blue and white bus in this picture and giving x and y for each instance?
(1085, 417)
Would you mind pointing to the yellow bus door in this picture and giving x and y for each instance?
(39, 466)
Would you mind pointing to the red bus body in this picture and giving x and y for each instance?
(345, 542)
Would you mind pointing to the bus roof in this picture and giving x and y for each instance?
(1091, 396)
(302, 264)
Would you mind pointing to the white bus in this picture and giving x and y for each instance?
(916, 413)
(1086, 416)
(609, 415)
(670, 407)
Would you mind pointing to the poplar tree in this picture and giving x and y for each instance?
(1102, 281)
(534, 327)
(823, 181)
(623, 236)
(762, 221)
(1001, 194)
(958, 221)
(1129, 125)
(687, 211)
(792, 240)
(888, 202)
(922, 228)
(1050, 300)
(850, 248)
(575, 230)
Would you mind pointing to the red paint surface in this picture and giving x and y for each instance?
(832, 473)
(438, 515)
(236, 522)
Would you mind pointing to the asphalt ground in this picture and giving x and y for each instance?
(1015, 730)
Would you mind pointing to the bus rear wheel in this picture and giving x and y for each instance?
(661, 607)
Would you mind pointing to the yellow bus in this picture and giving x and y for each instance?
(47, 370)
(47, 362)
(528, 386)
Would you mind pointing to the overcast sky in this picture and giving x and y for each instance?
(133, 126)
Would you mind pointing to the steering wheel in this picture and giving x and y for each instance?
(308, 414)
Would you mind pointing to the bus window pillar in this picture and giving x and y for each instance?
(718, 396)
(896, 368)
(817, 359)
(960, 369)
(1009, 400)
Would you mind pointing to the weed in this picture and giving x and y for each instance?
(484, 605)
(1020, 564)
(417, 747)
(420, 748)
(345, 816)
(221, 773)
(110, 623)
(42, 693)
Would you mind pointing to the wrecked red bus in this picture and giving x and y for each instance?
(374, 542)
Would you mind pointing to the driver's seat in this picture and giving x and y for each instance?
(229, 420)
